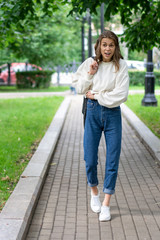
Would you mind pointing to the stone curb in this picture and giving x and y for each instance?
(150, 140)
(18, 210)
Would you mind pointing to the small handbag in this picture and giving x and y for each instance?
(84, 109)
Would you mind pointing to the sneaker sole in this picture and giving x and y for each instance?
(95, 211)
(105, 220)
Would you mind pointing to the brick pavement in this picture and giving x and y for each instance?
(63, 210)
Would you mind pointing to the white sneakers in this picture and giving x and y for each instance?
(105, 214)
(95, 203)
(97, 208)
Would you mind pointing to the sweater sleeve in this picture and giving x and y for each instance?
(81, 80)
(119, 94)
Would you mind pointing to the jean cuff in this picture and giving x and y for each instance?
(92, 185)
(108, 191)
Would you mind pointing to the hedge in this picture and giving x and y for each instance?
(33, 79)
(42, 79)
(137, 78)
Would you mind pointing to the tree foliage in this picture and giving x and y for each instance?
(141, 19)
(53, 41)
(40, 32)
(17, 15)
(47, 38)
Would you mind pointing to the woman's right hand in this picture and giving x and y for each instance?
(93, 68)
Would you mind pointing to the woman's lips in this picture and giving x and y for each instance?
(107, 54)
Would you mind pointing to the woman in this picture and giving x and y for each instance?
(104, 81)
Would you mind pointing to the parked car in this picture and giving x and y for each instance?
(15, 67)
(139, 65)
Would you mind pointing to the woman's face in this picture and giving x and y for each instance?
(107, 49)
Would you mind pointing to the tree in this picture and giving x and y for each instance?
(48, 41)
(17, 15)
(141, 19)
(134, 55)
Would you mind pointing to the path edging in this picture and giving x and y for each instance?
(150, 140)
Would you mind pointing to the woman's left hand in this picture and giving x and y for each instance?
(89, 95)
(93, 68)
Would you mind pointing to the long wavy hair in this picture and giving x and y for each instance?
(117, 54)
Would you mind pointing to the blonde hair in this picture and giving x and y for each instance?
(117, 54)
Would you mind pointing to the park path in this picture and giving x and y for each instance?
(63, 210)
(11, 95)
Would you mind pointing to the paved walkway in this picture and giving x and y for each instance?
(63, 210)
(7, 95)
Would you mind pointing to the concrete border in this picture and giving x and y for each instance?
(18, 210)
(150, 140)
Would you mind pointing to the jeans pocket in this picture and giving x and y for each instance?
(91, 104)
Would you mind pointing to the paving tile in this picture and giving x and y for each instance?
(44, 237)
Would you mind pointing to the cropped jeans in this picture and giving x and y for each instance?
(108, 120)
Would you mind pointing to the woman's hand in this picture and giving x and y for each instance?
(93, 68)
(89, 95)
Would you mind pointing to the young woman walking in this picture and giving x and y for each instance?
(104, 81)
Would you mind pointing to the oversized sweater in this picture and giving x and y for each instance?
(109, 86)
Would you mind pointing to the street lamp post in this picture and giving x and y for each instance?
(83, 35)
(149, 98)
(89, 35)
(102, 17)
(87, 18)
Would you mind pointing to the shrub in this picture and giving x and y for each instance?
(137, 78)
(33, 79)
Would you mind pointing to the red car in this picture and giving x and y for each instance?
(15, 67)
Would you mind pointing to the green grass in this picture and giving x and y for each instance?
(142, 87)
(23, 123)
(50, 89)
(149, 115)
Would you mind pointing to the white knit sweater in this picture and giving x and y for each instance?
(110, 87)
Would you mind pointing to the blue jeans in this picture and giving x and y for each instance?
(108, 120)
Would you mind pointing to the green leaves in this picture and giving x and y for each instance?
(143, 34)
(39, 31)
(141, 19)
(20, 14)
(51, 41)
(22, 20)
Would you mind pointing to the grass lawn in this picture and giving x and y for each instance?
(157, 87)
(23, 123)
(149, 115)
(50, 89)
